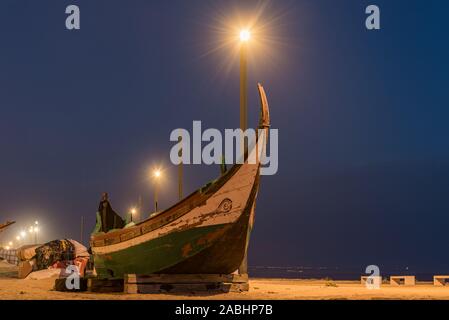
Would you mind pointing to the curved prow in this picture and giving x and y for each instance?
(264, 125)
(264, 121)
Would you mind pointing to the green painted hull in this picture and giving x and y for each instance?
(158, 254)
(215, 249)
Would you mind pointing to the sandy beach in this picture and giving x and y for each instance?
(12, 288)
(260, 289)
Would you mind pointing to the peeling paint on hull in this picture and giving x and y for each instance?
(156, 255)
(215, 249)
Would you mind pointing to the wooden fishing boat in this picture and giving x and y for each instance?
(206, 233)
(5, 225)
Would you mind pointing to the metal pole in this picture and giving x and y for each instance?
(82, 229)
(243, 269)
(140, 209)
(155, 196)
(243, 94)
(180, 171)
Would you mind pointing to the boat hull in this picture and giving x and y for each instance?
(214, 249)
(207, 232)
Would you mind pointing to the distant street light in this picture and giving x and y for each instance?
(31, 231)
(157, 174)
(36, 231)
(133, 211)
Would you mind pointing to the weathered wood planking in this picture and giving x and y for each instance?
(186, 278)
(191, 288)
(61, 286)
(185, 283)
(105, 285)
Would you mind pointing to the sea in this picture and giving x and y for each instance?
(331, 273)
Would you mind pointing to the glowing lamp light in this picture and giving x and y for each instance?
(133, 211)
(18, 238)
(245, 35)
(157, 173)
(10, 243)
(23, 234)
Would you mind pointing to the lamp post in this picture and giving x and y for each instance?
(19, 240)
(157, 176)
(245, 36)
(31, 231)
(23, 235)
(36, 231)
(180, 171)
(82, 230)
(132, 212)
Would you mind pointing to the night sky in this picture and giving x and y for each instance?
(362, 117)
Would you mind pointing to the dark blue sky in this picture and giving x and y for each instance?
(362, 118)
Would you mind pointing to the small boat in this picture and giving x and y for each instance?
(5, 225)
(206, 233)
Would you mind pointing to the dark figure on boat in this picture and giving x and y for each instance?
(109, 219)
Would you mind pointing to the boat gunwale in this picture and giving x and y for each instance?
(195, 199)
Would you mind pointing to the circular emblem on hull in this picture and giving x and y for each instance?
(225, 206)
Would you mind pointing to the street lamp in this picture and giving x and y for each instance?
(245, 36)
(36, 231)
(133, 211)
(157, 174)
(31, 231)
